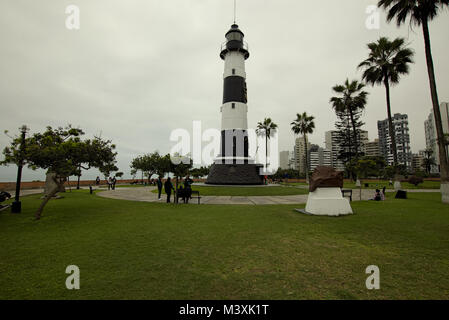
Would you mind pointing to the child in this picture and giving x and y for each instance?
(377, 196)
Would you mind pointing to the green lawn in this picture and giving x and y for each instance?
(373, 184)
(138, 250)
(247, 191)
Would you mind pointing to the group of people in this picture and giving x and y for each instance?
(110, 181)
(184, 190)
(379, 195)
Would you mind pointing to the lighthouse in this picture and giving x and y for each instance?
(233, 166)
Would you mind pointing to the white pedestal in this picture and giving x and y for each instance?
(328, 202)
(397, 185)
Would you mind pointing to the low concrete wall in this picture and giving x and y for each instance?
(11, 186)
(40, 184)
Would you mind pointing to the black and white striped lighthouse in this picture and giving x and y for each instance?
(234, 165)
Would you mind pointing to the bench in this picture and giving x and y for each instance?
(3, 197)
(197, 193)
(194, 194)
(348, 192)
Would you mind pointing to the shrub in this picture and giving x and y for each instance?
(415, 180)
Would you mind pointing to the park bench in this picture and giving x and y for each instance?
(194, 194)
(3, 197)
(348, 192)
(197, 193)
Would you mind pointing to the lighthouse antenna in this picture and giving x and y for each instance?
(235, 10)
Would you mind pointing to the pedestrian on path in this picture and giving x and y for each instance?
(168, 186)
(159, 187)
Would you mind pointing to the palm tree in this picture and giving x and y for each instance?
(265, 128)
(420, 13)
(387, 61)
(304, 125)
(351, 101)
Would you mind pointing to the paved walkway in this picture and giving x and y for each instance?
(144, 194)
(26, 192)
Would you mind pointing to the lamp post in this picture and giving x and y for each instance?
(17, 205)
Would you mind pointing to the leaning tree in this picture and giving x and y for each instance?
(93, 153)
(56, 150)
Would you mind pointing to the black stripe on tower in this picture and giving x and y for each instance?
(234, 143)
(234, 90)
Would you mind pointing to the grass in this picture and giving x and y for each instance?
(373, 184)
(134, 250)
(247, 191)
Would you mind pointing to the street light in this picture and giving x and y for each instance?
(16, 205)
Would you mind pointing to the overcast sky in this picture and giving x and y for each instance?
(136, 69)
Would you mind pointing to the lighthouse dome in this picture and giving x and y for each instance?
(234, 33)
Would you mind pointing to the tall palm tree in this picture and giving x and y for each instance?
(265, 128)
(387, 61)
(352, 100)
(420, 13)
(304, 125)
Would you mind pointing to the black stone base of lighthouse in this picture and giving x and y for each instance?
(235, 174)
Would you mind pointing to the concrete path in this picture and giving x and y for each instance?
(26, 192)
(144, 194)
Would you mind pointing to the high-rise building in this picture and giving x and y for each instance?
(300, 154)
(372, 149)
(363, 139)
(314, 160)
(418, 161)
(400, 125)
(284, 160)
(431, 133)
(291, 160)
(320, 157)
(332, 144)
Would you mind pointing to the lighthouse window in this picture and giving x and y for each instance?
(234, 36)
(233, 71)
(233, 106)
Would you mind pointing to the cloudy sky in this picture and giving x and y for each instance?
(136, 69)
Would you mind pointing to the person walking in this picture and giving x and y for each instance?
(109, 183)
(114, 181)
(97, 181)
(187, 189)
(168, 186)
(159, 187)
